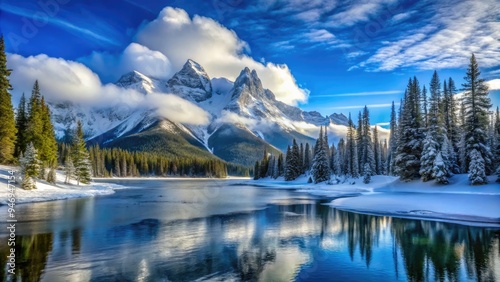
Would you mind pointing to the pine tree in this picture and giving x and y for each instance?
(301, 159)
(340, 163)
(264, 164)
(440, 170)
(30, 167)
(80, 157)
(477, 175)
(256, 171)
(351, 155)
(48, 150)
(289, 163)
(307, 158)
(22, 126)
(429, 154)
(377, 153)
(424, 106)
(8, 129)
(359, 142)
(407, 162)
(320, 168)
(366, 142)
(496, 138)
(476, 103)
(281, 165)
(393, 141)
(69, 169)
(51, 176)
(367, 178)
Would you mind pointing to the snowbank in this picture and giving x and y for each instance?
(48, 192)
(456, 202)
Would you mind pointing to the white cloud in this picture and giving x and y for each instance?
(135, 57)
(366, 93)
(494, 84)
(62, 80)
(216, 48)
(362, 106)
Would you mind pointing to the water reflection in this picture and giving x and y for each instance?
(301, 240)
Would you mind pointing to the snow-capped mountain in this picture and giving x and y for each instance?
(245, 118)
(191, 82)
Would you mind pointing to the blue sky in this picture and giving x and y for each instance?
(341, 54)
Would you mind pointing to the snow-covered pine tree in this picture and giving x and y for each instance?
(393, 141)
(320, 168)
(407, 162)
(21, 125)
(69, 169)
(498, 173)
(80, 157)
(477, 175)
(51, 176)
(440, 171)
(377, 153)
(326, 144)
(451, 122)
(8, 129)
(367, 142)
(340, 161)
(30, 167)
(435, 132)
(383, 145)
(429, 154)
(477, 104)
(367, 177)
(424, 106)
(351, 151)
(462, 154)
(296, 166)
(276, 171)
(496, 138)
(359, 141)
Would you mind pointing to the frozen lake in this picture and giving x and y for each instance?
(211, 230)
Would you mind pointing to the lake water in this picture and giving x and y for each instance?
(208, 230)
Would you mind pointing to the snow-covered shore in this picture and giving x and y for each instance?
(48, 192)
(385, 195)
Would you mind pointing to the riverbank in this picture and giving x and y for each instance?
(49, 192)
(456, 202)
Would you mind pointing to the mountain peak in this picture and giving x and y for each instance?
(191, 82)
(131, 78)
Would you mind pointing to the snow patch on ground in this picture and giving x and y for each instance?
(456, 202)
(49, 192)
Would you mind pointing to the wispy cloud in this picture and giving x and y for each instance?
(68, 26)
(352, 94)
(455, 31)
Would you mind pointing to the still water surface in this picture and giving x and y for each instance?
(208, 230)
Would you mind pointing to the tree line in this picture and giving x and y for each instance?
(432, 137)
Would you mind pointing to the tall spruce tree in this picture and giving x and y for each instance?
(8, 129)
(451, 124)
(377, 152)
(476, 103)
(80, 157)
(351, 154)
(340, 161)
(407, 162)
(435, 132)
(367, 142)
(393, 141)
(22, 126)
(320, 168)
(30, 167)
(307, 158)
